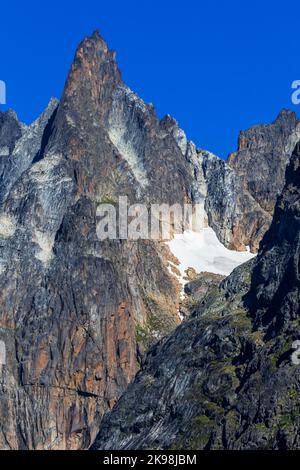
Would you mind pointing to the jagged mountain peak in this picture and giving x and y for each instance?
(92, 79)
(262, 155)
(286, 117)
(256, 137)
(95, 46)
(86, 310)
(10, 113)
(97, 40)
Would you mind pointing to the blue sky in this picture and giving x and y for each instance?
(217, 67)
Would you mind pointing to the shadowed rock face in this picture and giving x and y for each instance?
(225, 379)
(274, 300)
(77, 314)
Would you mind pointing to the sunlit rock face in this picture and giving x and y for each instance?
(77, 313)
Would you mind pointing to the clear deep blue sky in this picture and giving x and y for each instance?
(216, 66)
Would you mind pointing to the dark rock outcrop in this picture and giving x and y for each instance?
(275, 300)
(196, 289)
(225, 379)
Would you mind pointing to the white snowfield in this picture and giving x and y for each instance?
(204, 252)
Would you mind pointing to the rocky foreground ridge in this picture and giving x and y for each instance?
(226, 379)
(77, 314)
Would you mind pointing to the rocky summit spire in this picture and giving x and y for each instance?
(93, 77)
(287, 119)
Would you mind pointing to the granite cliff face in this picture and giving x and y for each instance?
(77, 313)
(226, 378)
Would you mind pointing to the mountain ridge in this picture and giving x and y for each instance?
(78, 314)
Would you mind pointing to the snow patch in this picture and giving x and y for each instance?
(205, 253)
